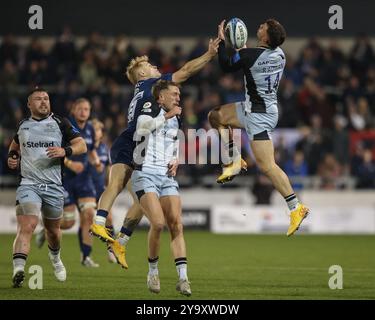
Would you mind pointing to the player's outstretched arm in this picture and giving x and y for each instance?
(197, 64)
(227, 64)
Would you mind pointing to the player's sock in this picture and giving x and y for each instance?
(101, 217)
(181, 267)
(153, 266)
(86, 250)
(54, 252)
(124, 236)
(80, 239)
(292, 201)
(232, 150)
(19, 261)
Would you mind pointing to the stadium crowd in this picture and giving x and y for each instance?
(328, 97)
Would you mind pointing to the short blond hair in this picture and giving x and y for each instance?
(131, 70)
(96, 123)
(79, 101)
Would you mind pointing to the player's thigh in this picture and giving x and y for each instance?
(53, 202)
(226, 115)
(28, 200)
(119, 175)
(153, 210)
(135, 211)
(171, 206)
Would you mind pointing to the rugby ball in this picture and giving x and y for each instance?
(236, 33)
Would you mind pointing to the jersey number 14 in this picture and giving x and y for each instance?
(275, 85)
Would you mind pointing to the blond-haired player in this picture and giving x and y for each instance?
(143, 75)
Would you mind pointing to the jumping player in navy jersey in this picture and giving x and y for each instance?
(263, 67)
(143, 75)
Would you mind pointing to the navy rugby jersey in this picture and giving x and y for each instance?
(88, 134)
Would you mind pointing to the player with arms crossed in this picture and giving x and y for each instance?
(39, 146)
(263, 67)
(155, 188)
(143, 75)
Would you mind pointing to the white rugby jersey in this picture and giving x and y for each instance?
(157, 139)
(263, 69)
(34, 137)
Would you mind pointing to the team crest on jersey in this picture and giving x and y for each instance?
(50, 128)
(147, 105)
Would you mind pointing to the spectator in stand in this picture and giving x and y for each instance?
(366, 171)
(297, 169)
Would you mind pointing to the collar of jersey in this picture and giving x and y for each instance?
(50, 114)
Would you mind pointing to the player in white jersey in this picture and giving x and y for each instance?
(157, 191)
(263, 67)
(39, 147)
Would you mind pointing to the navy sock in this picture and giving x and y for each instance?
(86, 250)
(80, 239)
(126, 231)
(102, 213)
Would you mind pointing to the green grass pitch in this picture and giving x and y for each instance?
(219, 267)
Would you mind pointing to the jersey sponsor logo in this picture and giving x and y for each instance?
(25, 128)
(39, 144)
(147, 110)
(147, 105)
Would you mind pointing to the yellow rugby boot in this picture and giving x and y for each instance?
(101, 232)
(296, 218)
(119, 252)
(231, 170)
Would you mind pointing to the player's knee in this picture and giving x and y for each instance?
(214, 117)
(67, 224)
(176, 228)
(157, 226)
(27, 228)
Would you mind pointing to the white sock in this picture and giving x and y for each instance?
(182, 271)
(292, 201)
(54, 253)
(123, 239)
(100, 220)
(181, 267)
(19, 261)
(153, 266)
(230, 147)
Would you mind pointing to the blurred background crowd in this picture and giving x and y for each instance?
(325, 137)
